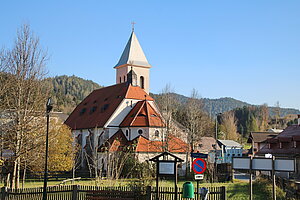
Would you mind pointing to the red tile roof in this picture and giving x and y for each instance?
(116, 143)
(98, 106)
(142, 145)
(175, 145)
(143, 115)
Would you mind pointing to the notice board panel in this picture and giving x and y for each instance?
(263, 164)
(241, 163)
(285, 165)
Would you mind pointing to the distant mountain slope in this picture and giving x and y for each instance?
(69, 91)
(215, 106)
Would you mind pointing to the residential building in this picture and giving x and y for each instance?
(230, 149)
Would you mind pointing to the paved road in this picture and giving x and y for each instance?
(242, 176)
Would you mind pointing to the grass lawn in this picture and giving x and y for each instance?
(238, 190)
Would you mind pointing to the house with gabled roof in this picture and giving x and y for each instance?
(122, 114)
(259, 139)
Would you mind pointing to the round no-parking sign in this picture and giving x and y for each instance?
(199, 166)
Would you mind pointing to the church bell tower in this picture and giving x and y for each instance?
(133, 58)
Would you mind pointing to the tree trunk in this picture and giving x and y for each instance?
(24, 174)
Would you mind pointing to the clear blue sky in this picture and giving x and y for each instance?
(248, 50)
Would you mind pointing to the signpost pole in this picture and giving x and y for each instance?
(157, 181)
(274, 178)
(250, 179)
(176, 189)
(197, 190)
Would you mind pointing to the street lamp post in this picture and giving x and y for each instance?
(48, 110)
(216, 137)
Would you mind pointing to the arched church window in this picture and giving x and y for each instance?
(124, 78)
(120, 79)
(142, 82)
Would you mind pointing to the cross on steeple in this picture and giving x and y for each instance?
(133, 23)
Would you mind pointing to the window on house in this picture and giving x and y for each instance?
(93, 109)
(127, 133)
(104, 107)
(82, 111)
(156, 133)
(142, 82)
(140, 131)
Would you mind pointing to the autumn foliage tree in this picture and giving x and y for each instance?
(61, 153)
(228, 126)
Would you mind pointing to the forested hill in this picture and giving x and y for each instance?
(69, 91)
(215, 106)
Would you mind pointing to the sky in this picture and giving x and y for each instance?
(248, 50)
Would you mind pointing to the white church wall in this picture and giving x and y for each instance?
(134, 132)
(141, 71)
(112, 131)
(126, 132)
(121, 112)
(156, 134)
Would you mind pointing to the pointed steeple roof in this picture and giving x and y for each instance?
(133, 54)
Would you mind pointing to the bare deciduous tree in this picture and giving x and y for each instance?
(23, 96)
(167, 104)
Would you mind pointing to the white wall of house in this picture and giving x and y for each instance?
(231, 152)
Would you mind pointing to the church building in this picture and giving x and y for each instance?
(122, 114)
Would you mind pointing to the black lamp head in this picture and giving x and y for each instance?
(49, 105)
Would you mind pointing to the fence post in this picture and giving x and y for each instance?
(74, 192)
(223, 192)
(3, 193)
(148, 193)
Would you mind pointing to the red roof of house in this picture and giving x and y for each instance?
(141, 115)
(116, 143)
(175, 145)
(142, 145)
(284, 143)
(98, 106)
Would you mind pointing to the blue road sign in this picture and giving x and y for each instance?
(199, 166)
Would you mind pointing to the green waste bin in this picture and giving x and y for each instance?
(188, 190)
